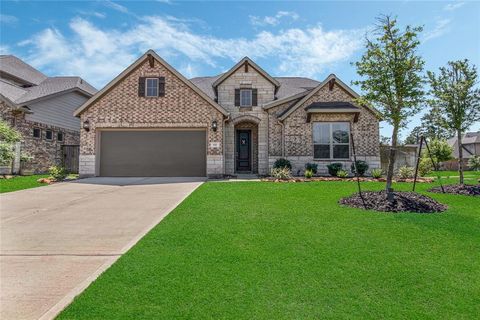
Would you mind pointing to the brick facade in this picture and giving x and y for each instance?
(46, 153)
(182, 107)
(122, 107)
(298, 134)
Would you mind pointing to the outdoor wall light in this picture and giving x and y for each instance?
(86, 125)
(214, 125)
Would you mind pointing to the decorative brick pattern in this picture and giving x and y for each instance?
(46, 153)
(181, 107)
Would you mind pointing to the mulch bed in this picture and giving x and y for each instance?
(402, 202)
(467, 190)
(362, 179)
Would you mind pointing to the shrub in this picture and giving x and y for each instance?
(406, 172)
(425, 166)
(312, 167)
(333, 168)
(58, 172)
(342, 173)
(362, 167)
(474, 163)
(308, 173)
(26, 157)
(8, 137)
(281, 173)
(377, 173)
(439, 150)
(282, 163)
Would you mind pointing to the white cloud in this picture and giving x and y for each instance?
(165, 1)
(453, 6)
(99, 54)
(7, 19)
(442, 26)
(4, 49)
(115, 6)
(273, 20)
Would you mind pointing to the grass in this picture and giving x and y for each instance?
(20, 183)
(253, 250)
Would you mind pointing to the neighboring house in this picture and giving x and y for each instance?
(406, 155)
(470, 143)
(152, 121)
(41, 109)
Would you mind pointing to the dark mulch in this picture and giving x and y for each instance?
(467, 190)
(402, 202)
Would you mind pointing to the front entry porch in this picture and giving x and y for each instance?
(246, 148)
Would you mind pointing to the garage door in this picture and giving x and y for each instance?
(173, 153)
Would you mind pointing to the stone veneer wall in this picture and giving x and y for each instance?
(121, 107)
(46, 153)
(226, 98)
(298, 133)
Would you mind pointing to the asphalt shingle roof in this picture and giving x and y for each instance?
(42, 85)
(289, 86)
(19, 69)
(54, 85)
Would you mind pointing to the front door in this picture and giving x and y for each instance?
(244, 162)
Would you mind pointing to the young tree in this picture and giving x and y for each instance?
(457, 99)
(392, 77)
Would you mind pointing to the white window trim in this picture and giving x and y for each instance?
(331, 143)
(251, 98)
(46, 135)
(146, 87)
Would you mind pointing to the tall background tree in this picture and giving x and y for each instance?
(392, 81)
(430, 127)
(456, 95)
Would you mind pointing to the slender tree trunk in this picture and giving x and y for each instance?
(391, 158)
(460, 156)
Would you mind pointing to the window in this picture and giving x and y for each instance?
(36, 132)
(331, 140)
(151, 87)
(49, 134)
(60, 136)
(245, 97)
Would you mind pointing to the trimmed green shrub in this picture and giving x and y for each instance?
(281, 173)
(406, 172)
(377, 173)
(425, 166)
(342, 174)
(308, 173)
(362, 167)
(312, 167)
(58, 172)
(333, 168)
(282, 163)
(474, 163)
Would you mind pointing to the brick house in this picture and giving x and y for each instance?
(152, 121)
(41, 109)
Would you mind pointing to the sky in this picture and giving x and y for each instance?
(98, 39)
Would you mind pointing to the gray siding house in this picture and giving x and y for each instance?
(41, 109)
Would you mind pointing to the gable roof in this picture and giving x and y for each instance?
(54, 86)
(227, 74)
(289, 86)
(321, 85)
(131, 68)
(17, 68)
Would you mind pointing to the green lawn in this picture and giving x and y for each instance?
(253, 250)
(20, 183)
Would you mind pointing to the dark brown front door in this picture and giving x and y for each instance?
(244, 155)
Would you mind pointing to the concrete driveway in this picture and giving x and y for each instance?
(56, 240)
